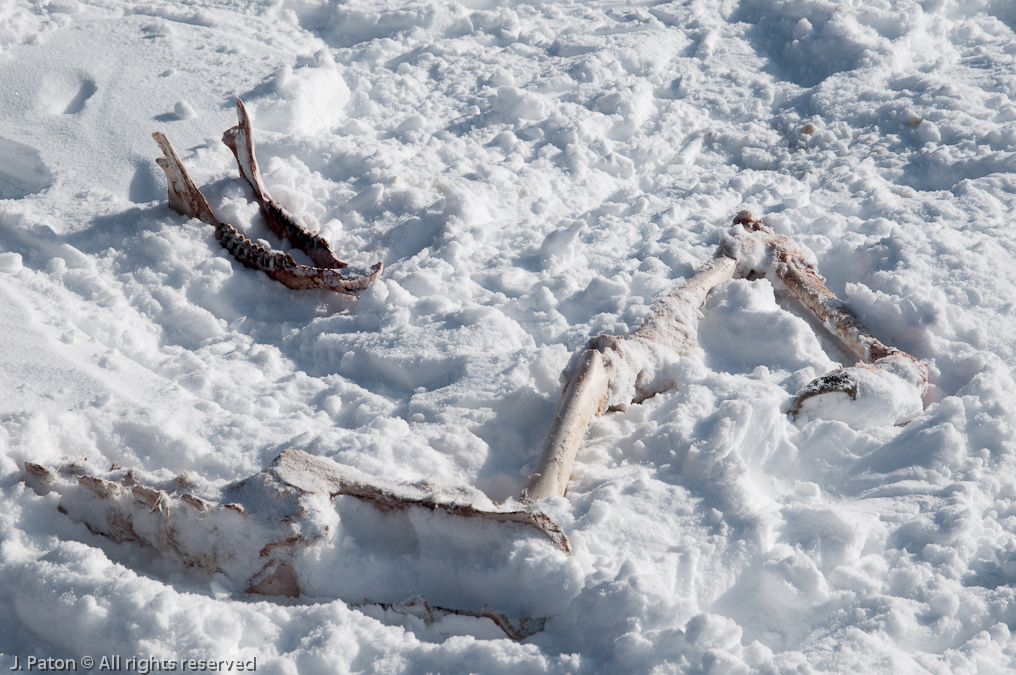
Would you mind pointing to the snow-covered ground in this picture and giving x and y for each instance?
(531, 175)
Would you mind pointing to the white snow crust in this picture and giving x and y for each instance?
(883, 396)
(532, 174)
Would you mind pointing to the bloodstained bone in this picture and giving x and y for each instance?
(240, 139)
(613, 371)
(278, 525)
(282, 582)
(186, 199)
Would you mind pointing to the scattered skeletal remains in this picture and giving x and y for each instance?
(186, 199)
(613, 372)
(259, 531)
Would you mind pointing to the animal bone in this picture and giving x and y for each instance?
(261, 537)
(259, 532)
(900, 376)
(186, 199)
(611, 371)
(240, 140)
(517, 629)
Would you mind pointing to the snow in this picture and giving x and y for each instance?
(888, 393)
(532, 175)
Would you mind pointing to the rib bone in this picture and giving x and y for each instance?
(612, 372)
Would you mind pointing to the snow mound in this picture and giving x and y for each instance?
(308, 100)
(885, 393)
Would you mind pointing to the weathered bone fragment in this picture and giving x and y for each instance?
(186, 199)
(261, 531)
(612, 372)
(516, 628)
(314, 474)
(240, 139)
(902, 379)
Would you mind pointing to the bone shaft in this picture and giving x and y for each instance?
(673, 324)
(584, 399)
(675, 320)
(808, 287)
(713, 273)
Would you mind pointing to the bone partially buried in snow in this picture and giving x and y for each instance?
(864, 396)
(269, 533)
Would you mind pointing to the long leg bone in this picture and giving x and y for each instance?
(264, 532)
(885, 387)
(612, 372)
(186, 199)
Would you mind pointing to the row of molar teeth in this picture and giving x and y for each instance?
(245, 249)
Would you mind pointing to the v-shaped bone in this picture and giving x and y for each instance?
(908, 375)
(185, 198)
(240, 139)
(607, 363)
(612, 371)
